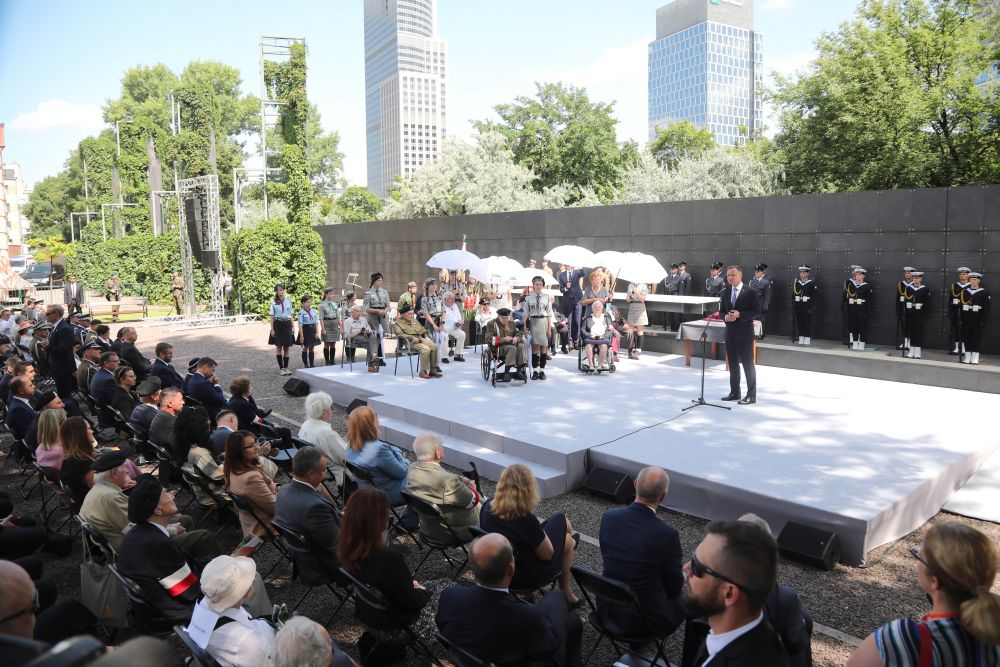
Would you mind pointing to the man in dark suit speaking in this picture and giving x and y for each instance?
(740, 306)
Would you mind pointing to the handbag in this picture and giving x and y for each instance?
(270, 338)
(102, 593)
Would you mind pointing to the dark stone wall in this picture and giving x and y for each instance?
(935, 230)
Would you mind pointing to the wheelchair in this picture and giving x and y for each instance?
(491, 364)
(609, 357)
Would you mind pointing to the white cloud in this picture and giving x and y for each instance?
(791, 63)
(58, 113)
(775, 5)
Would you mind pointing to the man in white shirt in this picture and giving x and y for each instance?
(454, 320)
(7, 323)
(729, 577)
(317, 431)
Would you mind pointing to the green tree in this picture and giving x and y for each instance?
(562, 137)
(325, 162)
(680, 140)
(286, 81)
(50, 204)
(891, 102)
(48, 248)
(357, 204)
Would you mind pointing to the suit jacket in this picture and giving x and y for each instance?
(760, 646)
(103, 386)
(62, 362)
(569, 284)
(5, 387)
(169, 377)
(246, 410)
(645, 552)
(219, 437)
(80, 297)
(20, 415)
(783, 610)
(161, 430)
(429, 481)
(748, 303)
(210, 395)
(306, 511)
(130, 354)
(495, 626)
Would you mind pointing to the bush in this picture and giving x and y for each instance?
(277, 252)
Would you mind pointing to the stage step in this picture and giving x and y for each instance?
(458, 453)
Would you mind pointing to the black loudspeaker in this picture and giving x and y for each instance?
(814, 546)
(606, 483)
(192, 218)
(296, 387)
(356, 403)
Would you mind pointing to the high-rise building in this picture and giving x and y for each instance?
(705, 68)
(405, 94)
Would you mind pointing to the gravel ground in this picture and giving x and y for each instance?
(847, 600)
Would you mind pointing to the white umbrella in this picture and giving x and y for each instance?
(612, 260)
(453, 259)
(494, 269)
(527, 275)
(573, 255)
(639, 267)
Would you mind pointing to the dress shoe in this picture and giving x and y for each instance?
(437, 373)
(534, 375)
(425, 375)
(266, 412)
(459, 357)
(541, 375)
(749, 400)
(731, 397)
(445, 360)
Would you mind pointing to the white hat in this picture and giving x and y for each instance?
(226, 580)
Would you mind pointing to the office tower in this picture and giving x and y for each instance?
(405, 94)
(705, 68)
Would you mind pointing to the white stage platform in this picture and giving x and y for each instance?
(869, 459)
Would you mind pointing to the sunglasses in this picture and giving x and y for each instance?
(30, 609)
(699, 570)
(915, 552)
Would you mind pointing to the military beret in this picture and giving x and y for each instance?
(143, 498)
(108, 461)
(43, 399)
(404, 308)
(503, 311)
(149, 386)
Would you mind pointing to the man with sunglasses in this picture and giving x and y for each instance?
(730, 575)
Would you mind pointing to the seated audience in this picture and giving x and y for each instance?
(317, 431)
(543, 550)
(78, 458)
(547, 633)
(103, 387)
(203, 386)
(162, 368)
(455, 496)
(149, 397)
(125, 400)
(302, 642)
(103, 337)
(386, 463)
(303, 508)
(226, 425)
(161, 429)
(236, 639)
(364, 553)
(643, 551)
(20, 415)
(88, 366)
(729, 576)
(597, 331)
(49, 452)
(956, 568)
(130, 354)
(245, 477)
(192, 450)
(8, 375)
(484, 313)
(243, 404)
(43, 402)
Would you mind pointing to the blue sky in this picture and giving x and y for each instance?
(60, 60)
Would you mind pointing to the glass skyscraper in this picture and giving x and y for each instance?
(705, 68)
(405, 96)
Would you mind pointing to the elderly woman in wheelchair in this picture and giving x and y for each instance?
(597, 331)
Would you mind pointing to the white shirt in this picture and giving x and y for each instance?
(452, 317)
(7, 327)
(246, 642)
(715, 643)
(321, 435)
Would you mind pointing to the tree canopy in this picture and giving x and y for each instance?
(357, 204)
(678, 141)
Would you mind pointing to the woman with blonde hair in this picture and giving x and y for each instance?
(543, 550)
(49, 452)
(386, 463)
(956, 566)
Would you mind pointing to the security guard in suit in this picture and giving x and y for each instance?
(672, 285)
(716, 282)
(762, 285)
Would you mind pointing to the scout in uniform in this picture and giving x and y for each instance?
(975, 301)
(177, 291)
(456, 287)
(902, 293)
(672, 287)
(715, 282)
(408, 329)
(329, 318)
(375, 306)
(538, 314)
(430, 311)
(503, 339)
(916, 302)
(408, 297)
(761, 284)
(955, 291)
(859, 294)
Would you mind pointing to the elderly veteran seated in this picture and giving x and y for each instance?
(455, 496)
(407, 328)
(317, 431)
(219, 623)
(597, 331)
(506, 342)
(358, 333)
(453, 321)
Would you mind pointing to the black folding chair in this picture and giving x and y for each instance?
(373, 598)
(430, 515)
(197, 480)
(460, 656)
(199, 656)
(64, 500)
(295, 542)
(363, 474)
(151, 620)
(96, 545)
(618, 593)
(244, 504)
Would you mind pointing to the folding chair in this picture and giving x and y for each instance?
(619, 593)
(460, 656)
(363, 474)
(97, 545)
(73, 652)
(373, 598)
(244, 504)
(65, 501)
(199, 656)
(404, 349)
(222, 502)
(151, 621)
(295, 542)
(430, 515)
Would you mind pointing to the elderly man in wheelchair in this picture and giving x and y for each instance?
(597, 331)
(505, 345)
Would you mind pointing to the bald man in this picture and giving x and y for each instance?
(493, 625)
(645, 552)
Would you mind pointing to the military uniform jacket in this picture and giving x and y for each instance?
(672, 285)
(975, 305)
(375, 297)
(114, 285)
(410, 329)
(714, 286)
(38, 351)
(955, 291)
(177, 284)
(494, 328)
(804, 293)
(537, 305)
(917, 300)
(406, 297)
(859, 296)
(903, 294)
(84, 374)
(685, 283)
(167, 574)
(329, 310)
(762, 286)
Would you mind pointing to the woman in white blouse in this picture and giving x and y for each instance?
(597, 332)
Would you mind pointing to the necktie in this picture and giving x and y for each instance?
(736, 295)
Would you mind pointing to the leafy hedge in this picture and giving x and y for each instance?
(143, 262)
(277, 252)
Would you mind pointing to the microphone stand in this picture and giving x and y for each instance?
(704, 355)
